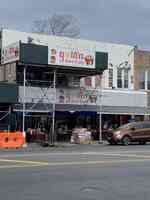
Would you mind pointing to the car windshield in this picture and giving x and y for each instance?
(126, 126)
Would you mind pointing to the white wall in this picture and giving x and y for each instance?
(109, 97)
(124, 98)
(37, 95)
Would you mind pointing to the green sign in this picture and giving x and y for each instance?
(101, 61)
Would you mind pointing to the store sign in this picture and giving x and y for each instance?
(10, 53)
(80, 97)
(83, 58)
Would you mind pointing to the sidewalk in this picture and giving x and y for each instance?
(59, 146)
(65, 145)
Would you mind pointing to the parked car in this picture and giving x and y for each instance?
(131, 132)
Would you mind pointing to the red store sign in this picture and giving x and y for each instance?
(10, 53)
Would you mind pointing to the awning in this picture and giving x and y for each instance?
(45, 108)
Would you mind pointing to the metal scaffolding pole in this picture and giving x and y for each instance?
(54, 104)
(100, 111)
(24, 97)
(9, 125)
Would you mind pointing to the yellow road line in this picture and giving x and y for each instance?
(18, 166)
(24, 162)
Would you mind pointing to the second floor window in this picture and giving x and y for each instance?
(142, 79)
(126, 78)
(119, 78)
(148, 80)
(110, 78)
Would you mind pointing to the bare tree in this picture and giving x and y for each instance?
(59, 25)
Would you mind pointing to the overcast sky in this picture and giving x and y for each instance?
(118, 21)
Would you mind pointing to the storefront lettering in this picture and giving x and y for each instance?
(71, 57)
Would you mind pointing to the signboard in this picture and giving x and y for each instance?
(84, 58)
(33, 54)
(76, 96)
(10, 53)
(56, 51)
(50, 50)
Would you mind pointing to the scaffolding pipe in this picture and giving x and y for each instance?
(24, 97)
(53, 119)
(100, 111)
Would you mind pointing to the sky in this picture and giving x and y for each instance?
(116, 21)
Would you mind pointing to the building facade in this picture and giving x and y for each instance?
(73, 78)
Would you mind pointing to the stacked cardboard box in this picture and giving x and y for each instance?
(81, 136)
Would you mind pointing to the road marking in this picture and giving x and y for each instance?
(96, 162)
(18, 166)
(118, 155)
(25, 162)
(107, 153)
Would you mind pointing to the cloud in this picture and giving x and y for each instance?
(103, 20)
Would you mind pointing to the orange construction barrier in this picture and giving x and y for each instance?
(11, 140)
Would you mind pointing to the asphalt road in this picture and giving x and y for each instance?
(76, 173)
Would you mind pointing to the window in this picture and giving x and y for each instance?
(148, 80)
(126, 78)
(149, 60)
(142, 79)
(138, 126)
(110, 78)
(119, 78)
(146, 125)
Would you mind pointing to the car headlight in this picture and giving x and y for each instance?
(118, 134)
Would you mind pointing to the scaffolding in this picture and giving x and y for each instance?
(40, 100)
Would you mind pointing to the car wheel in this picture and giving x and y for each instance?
(126, 140)
(112, 142)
